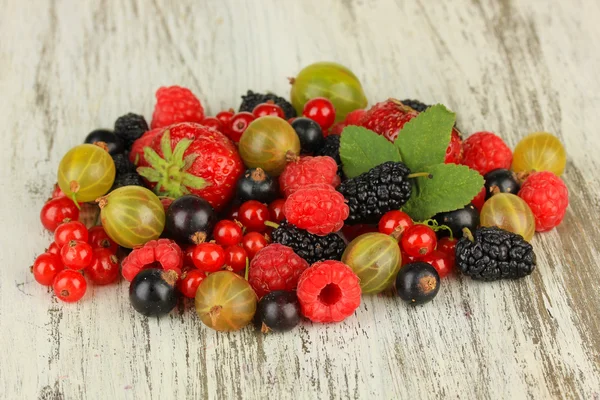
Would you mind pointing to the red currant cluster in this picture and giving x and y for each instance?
(419, 242)
(75, 249)
(233, 124)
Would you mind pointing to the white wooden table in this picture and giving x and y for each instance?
(513, 67)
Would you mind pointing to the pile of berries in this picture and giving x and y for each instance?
(263, 215)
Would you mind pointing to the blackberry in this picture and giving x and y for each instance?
(130, 127)
(311, 247)
(122, 164)
(415, 105)
(492, 253)
(331, 148)
(372, 194)
(128, 179)
(252, 99)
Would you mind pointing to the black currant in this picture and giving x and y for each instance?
(189, 220)
(113, 142)
(277, 311)
(310, 134)
(257, 185)
(466, 217)
(153, 291)
(417, 283)
(501, 181)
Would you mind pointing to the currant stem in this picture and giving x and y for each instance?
(420, 175)
(271, 224)
(247, 269)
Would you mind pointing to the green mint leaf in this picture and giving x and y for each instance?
(452, 187)
(424, 139)
(362, 149)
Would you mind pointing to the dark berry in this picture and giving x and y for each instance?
(277, 311)
(128, 179)
(492, 253)
(370, 195)
(189, 220)
(331, 148)
(257, 185)
(251, 100)
(457, 220)
(501, 181)
(113, 142)
(122, 164)
(311, 247)
(130, 127)
(310, 135)
(417, 283)
(415, 105)
(153, 293)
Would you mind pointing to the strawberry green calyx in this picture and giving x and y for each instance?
(170, 173)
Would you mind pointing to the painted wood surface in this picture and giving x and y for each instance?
(512, 67)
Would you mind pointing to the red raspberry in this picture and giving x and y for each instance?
(307, 171)
(485, 151)
(353, 118)
(329, 291)
(318, 208)
(176, 104)
(161, 253)
(548, 198)
(275, 267)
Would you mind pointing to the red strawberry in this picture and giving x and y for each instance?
(137, 149)
(191, 158)
(388, 117)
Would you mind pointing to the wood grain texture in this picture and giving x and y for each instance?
(512, 67)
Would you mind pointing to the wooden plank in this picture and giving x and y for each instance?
(511, 67)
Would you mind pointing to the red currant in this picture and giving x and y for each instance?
(419, 240)
(45, 268)
(212, 122)
(72, 230)
(442, 262)
(351, 232)
(57, 210)
(69, 285)
(479, 200)
(448, 246)
(227, 233)
(253, 215)
(232, 214)
(104, 268)
(209, 257)
(321, 111)
(406, 259)
(268, 108)
(225, 116)
(98, 239)
(188, 257)
(189, 282)
(276, 210)
(53, 249)
(253, 242)
(238, 124)
(77, 254)
(235, 258)
(393, 220)
(57, 192)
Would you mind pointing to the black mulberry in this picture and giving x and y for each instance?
(130, 127)
(493, 253)
(331, 148)
(130, 179)
(122, 164)
(252, 99)
(370, 195)
(415, 105)
(311, 247)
